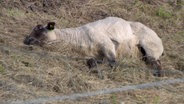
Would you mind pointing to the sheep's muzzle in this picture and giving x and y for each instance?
(31, 41)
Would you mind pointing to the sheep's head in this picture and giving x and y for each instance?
(39, 34)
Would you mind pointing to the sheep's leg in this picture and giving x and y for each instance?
(93, 63)
(156, 64)
(111, 57)
(99, 61)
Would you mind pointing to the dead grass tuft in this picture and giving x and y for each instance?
(32, 72)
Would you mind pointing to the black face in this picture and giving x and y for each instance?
(39, 34)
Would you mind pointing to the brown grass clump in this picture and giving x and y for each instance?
(33, 72)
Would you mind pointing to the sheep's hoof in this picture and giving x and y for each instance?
(99, 61)
(159, 74)
(91, 63)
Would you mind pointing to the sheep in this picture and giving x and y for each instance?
(108, 38)
(149, 44)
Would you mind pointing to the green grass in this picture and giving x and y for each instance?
(1, 69)
(179, 37)
(161, 12)
(156, 100)
(114, 99)
(15, 13)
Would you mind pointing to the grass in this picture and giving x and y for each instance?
(179, 37)
(156, 100)
(114, 99)
(14, 13)
(2, 69)
(34, 74)
(163, 13)
(180, 2)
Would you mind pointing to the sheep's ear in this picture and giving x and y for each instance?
(51, 25)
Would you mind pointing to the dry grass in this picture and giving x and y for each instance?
(32, 72)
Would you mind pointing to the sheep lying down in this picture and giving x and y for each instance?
(109, 39)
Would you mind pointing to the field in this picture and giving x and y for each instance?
(31, 72)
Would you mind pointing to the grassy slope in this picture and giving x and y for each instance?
(30, 73)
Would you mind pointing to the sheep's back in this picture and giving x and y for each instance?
(113, 30)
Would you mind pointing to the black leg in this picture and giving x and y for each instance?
(158, 67)
(93, 63)
(156, 64)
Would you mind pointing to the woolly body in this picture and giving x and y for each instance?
(108, 37)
